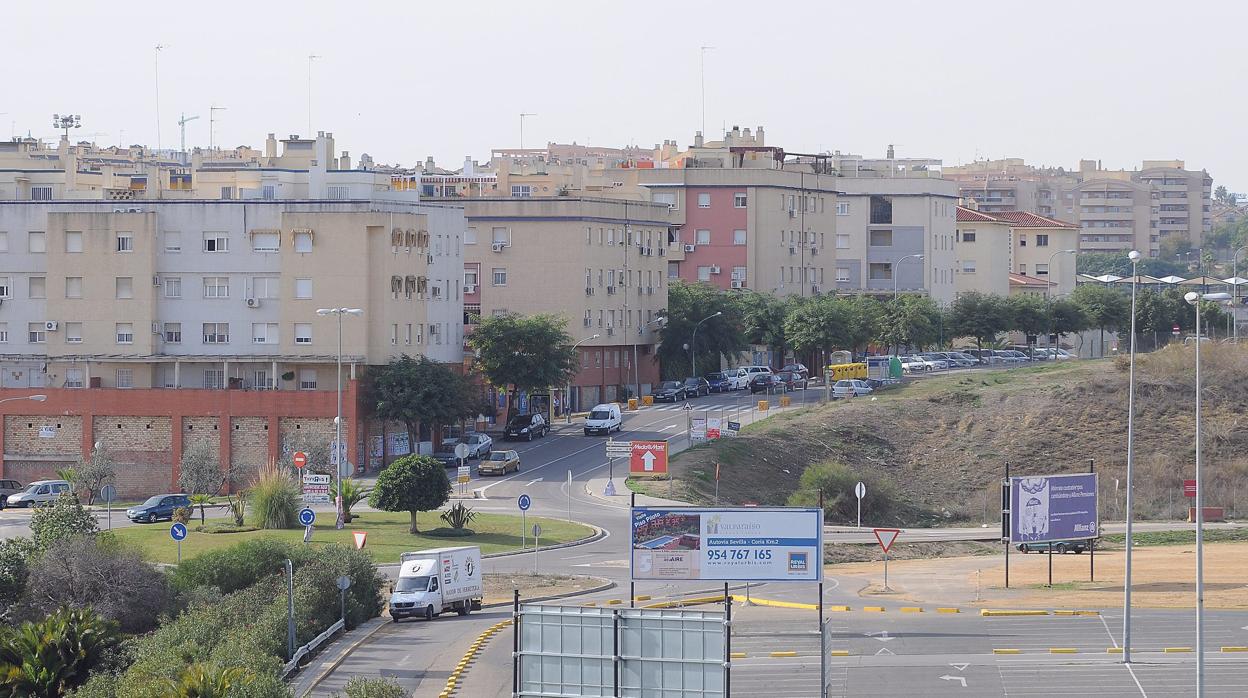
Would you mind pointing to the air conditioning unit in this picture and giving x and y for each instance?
(715, 270)
(736, 283)
(498, 246)
(50, 326)
(689, 248)
(610, 330)
(470, 288)
(253, 302)
(155, 280)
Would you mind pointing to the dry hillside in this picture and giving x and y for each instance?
(940, 444)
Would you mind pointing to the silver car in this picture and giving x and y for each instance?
(850, 387)
(37, 493)
(8, 487)
(478, 445)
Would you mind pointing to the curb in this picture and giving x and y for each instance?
(596, 536)
(452, 681)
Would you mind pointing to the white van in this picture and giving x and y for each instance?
(433, 581)
(604, 419)
(37, 493)
(738, 378)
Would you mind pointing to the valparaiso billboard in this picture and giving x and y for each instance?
(782, 544)
(1053, 508)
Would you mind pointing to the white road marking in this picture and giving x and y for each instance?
(1136, 680)
(885, 650)
(947, 677)
(530, 483)
(959, 667)
(1111, 635)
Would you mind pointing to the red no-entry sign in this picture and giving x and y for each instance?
(300, 458)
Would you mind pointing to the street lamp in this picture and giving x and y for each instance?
(1134, 255)
(1235, 292)
(1049, 281)
(636, 368)
(1194, 298)
(36, 398)
(568, 395)
(693, 366)
(896, 264)
(338, 449)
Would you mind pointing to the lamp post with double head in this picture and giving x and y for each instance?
(1235, 293)
(567, 395)
(693, 342)
(1134, 256)
(338, 451)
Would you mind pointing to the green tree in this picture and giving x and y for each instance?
(1118, 264)
(353, 492)
(421, 391)
(363, 687)
(93, 473)
(819, 324)
(1107, 308)
(199, 474)
(1067, 317)
(201, 680)
(1030, 314)
(909, 321)
(764, 319)
(979, 315)
(862, 321)
(718, 338)
(16, 555)
(53, 656)
(1221, 193)
(525, 352)
(63, 519)
(412, 484)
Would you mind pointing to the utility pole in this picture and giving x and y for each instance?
(182, 122)
(212, 120)
(522, 115)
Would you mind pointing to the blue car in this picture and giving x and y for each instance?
(156, 508)
(719, 382)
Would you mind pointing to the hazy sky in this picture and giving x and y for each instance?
(1048, 81)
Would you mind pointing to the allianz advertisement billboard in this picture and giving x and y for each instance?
(727, 544)
(1053, 508)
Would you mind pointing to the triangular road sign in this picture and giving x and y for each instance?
(886, 536)
(360, 538)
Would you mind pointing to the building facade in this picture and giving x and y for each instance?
(1010, 252)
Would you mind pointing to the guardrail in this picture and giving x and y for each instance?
(307, 649)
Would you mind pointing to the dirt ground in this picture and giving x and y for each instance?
(499, 587)
(1163, 577)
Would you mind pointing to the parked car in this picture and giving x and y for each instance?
(765, 383)
(36, 493)
(499, 463)
(720, 383)
(911, 364)
(1059, 546)
(937, 362)
(670, 391)
(983, 356)
(1012, 358)
(738, 377)
(446, 453)
(479, 444)
(796, 368)
(792, 380)
(751, 371)
(957, 360)
(158, 507)
(604, 419)
(526, 426)
(8, 487)
(850, 387)
(695, 387)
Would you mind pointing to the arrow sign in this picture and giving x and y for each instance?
(177, 531)
(885, 650)
(961, 679)
(886, 536)
(307, 516)
(647, 460)
(524, 502)
(361, 537)
(959, 667)
(882, 636)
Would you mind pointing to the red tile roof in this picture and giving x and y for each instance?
(1023, 280)
(967, 215)
(1016, 219)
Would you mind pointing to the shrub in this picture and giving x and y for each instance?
(238, 507)
(361, 687)
(238, 566)
(209, 681)
(54, 655)
(16, 554)
(837, 482)
(458, 516)
(224, 528)
(65, 518)
(182, 515)
(274, 499)
(353, 492)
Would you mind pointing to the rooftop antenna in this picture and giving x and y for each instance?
(212, 118)
(182, 124)
(311, 57)
(702, 55)
(159, 48)
(522, 115)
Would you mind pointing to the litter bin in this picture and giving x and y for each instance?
(762, 405)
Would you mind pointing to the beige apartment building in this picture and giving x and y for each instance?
(1010, 252)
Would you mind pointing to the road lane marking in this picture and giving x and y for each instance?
(962, 679)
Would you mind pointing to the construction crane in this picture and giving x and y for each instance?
(182, 124)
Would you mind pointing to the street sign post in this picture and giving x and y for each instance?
(307, 517)
(524, 502)
(463, 474)
(886, 536)
(1175, 331)
(733, 428)
(300, 458)
(537, 534)
(315, 488)
(178, 533)
(860, 491)
(615, 449)
(343, 583)
(109, 494)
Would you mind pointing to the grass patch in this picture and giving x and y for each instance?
(224, 528)
(1058, 586)
(1188, 537)
(387, 535)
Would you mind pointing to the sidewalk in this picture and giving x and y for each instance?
(329, 657)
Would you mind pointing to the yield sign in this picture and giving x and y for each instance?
(360, 538)
(886, 536)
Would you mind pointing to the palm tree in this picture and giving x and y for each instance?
(53, 656)
(353, 492)
(208, 681)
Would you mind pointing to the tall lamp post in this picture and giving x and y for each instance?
(896, 278)
(1235, 292)
(693, 366)
(338, 449)
(568, 394)
(636, 367)
(1194, 299)
(1134, 255)
(1050, 282)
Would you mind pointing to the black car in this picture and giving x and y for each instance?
(799, 369)
(766, 383)
(446, 454)
(526, 426)
(670, 391)
(792, 380)
(159, 507)
(695, 387)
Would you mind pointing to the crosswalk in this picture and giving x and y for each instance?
(698, 406)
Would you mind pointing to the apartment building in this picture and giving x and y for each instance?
(131, 275)
(1010, 252)
(601, 264)
(1117, 210)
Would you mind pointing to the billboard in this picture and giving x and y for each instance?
(756, 544)
(1053, 508)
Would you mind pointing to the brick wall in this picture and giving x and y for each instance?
(21, 436)
(249, 447)
(314, 429)
(143, 450)
(27, 472)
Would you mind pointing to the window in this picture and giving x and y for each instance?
(267, 241)
(303, 332)
(842, 208)
(5, 289)
(738, 274)
(704, 200)
(664, 197)
(4, 242)
(73, 378)
(881, 271)
(35, 334)
(470, 236)
(521, 190)
(73, 333)
(73, 287)
(73, 242)
(125, 333)
(264, 333)
(1042, 240)
(173, 286)
(41, 193)
(968, 266)
(216, 333)
(303, 241)
(1022, 269)
(842, 275)
(703, 237)
(500, 236)
(216, 242)
(738, 200)
(268, 191)
(227, 192)
(500, 276)
(216, 287)
(214, 378)
(407, 337)
(338, 191)
(1041, 270)
(265, 287)
(470, 278)
(173, 332)
(260, 380)
(303, 288)
(38, 287)
(968, 236)
(125, 242)
(173, 242)
(704, 273)
(881, 238)
(738, 237)
(842, 241)
(37, 243)
(124, 287)
(1022, 240)
(881, 210)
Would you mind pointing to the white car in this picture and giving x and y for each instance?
(604, 419)
(37, 493)
(738, 378)
(937, 362)
(478, 445)
(910, 364)
(850, 388)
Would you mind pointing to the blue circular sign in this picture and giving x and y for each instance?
(524, 502)
(306, 516)
(177, 531)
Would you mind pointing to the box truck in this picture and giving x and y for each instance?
(435, 581)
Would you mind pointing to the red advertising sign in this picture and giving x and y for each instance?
(300, 458)
(648, 458)
(886, 536)
(1189, 488)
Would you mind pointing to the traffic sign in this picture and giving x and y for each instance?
(178, 531)
(524, 502)
(300, 458)
(464, 473)
(315, 488)
(860, 490)
(648, 458)
(108, 494)
(306, 516)
(360, 537)
(886, 536)
(461, 451)
(537, 530)
(619, 449)
(1189, 488)
(344, 583)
